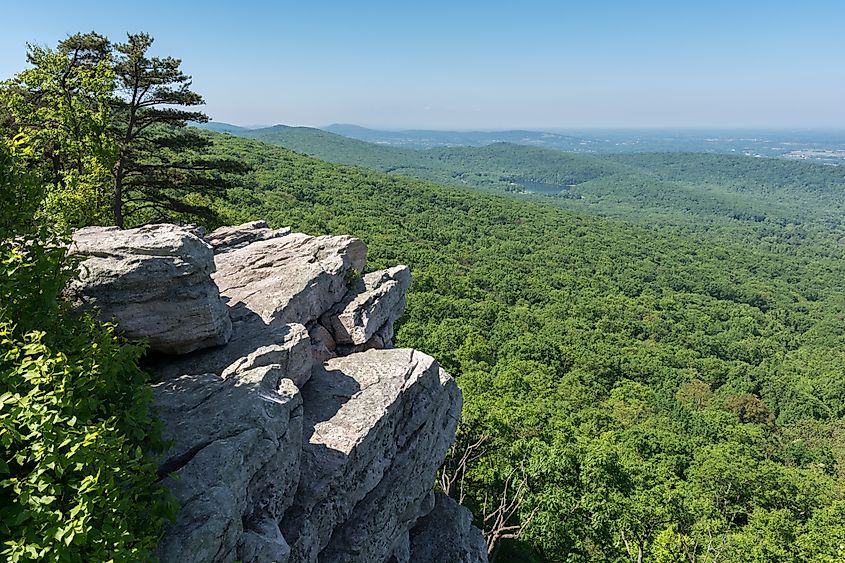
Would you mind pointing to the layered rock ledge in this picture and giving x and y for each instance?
(298, 433)
(156, 281)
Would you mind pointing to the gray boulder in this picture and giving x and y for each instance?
(294, 278)
(446, 534)
(287, 355)
(377, 426)
(283, 346)
(155, 281)
(225, 239)
(273, 287)
(233, 465)
(377, 301)
(323, 346)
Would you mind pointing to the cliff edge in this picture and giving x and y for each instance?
(297, 432)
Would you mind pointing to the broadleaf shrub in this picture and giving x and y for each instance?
(76, 480)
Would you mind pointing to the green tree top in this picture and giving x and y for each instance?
(108, 127)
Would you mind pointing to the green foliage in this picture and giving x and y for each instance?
(60, 109)
(670, 387)
(105, 126)
(75, 484)
(20, 195)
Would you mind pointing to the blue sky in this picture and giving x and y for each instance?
(460, 65)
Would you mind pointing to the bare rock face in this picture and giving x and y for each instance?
(294, 278)
(378, 301)
(238, 236)
(323, 345)
(156, 281)
(287, 354)
(302, 436)
(377, 426)
(233, 466)
(273, 287)
(446, 534)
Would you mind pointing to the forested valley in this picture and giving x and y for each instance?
(652, 355)
(667, 388)
(657, 188)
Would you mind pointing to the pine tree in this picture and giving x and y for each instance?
(107, 126)
(159, 160)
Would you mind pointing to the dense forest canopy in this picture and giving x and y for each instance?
(665, 390)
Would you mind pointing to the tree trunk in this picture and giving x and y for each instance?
(118, 193)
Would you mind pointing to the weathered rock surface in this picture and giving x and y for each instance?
(294, 278)
(446, 534)
(273, 287)
(238, 236)
(155, 281)
(377, 426)
(287, 354)
(322, 343)
(233, 466)
(289, 443)
(378, 301)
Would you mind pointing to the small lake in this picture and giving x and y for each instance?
(532, 187)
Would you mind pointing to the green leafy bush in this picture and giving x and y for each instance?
(75, 484)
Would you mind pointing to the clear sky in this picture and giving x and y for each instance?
(460, 64)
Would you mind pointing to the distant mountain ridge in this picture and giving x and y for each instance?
(424, 139)
(823, 146)
(220, 127)
(656, 188)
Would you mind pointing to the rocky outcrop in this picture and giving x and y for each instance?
(293, 278)
(155, 281)
(272, 288)
(377, 426)
(233, 465)
(306, 437)
(230, 238)
(370, 307)
(446, 534)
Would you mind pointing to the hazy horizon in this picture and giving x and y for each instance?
(551, 129)
(485, 66)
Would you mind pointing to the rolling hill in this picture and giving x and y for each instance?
(219, 127)
(655, 188)
(668, 382)
(424, 139)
